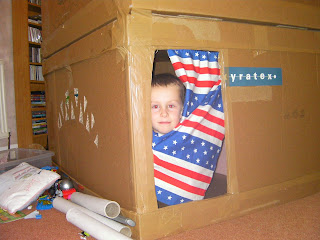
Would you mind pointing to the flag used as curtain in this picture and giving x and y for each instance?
(185, 158)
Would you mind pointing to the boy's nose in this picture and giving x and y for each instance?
(163, 113)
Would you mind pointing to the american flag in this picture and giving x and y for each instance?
(185, 158)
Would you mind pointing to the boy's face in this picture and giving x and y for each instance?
(166, 108)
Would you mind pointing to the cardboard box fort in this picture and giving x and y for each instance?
(98, 62)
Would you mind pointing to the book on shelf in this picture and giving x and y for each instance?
(38, 2)
(37, 123)
(39, 126)
(38, 114)
(40, 131)
(35, 55)
(34, 20)
(38, 98)
(34, 35)
(36, 73)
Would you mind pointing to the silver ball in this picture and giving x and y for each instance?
(65, 184)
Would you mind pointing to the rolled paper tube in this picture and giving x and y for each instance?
(92, 226)
(64, 206)
(125, 220)
(101, 206)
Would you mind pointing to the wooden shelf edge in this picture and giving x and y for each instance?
(34, 7)
(38, 109)
(36, 25)
(35, 63)
(40, 135)
(37, 82)
(35, 44)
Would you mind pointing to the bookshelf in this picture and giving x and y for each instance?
(30, 86)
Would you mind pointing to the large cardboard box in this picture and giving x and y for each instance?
(98, 62)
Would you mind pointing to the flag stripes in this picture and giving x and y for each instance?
(185, 158)
(182, 171)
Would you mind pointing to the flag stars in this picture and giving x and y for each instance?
(202, 152)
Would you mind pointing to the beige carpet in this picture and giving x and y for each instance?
(297, 220)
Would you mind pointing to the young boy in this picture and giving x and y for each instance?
(167, 98)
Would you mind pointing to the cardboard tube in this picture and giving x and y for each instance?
(101, 206)
(64, 206)
(125, 220)
(92, 226)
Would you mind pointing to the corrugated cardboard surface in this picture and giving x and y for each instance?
(271, 131)
(97, 167)
(285, 12)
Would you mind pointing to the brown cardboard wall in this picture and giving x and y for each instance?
(72, 20)
(271, 131)
(103, 104)
(272, 127)
(62, 12)
(284, 12)
(139, 76)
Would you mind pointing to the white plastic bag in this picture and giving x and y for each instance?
(22, 185)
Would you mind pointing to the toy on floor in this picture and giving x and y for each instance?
(66, 186)
(34, 214)
(50, 168)
(62, 188)
(44, 203)
(84, 235)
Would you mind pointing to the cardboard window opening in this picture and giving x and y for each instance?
(185, 158)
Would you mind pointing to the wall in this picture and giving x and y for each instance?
(6, 54)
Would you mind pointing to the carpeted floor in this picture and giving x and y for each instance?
(297, 220)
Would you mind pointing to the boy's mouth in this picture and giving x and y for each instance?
(164, 122)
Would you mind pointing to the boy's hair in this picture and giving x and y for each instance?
(165, 79)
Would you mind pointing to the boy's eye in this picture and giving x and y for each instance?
(171, 106)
